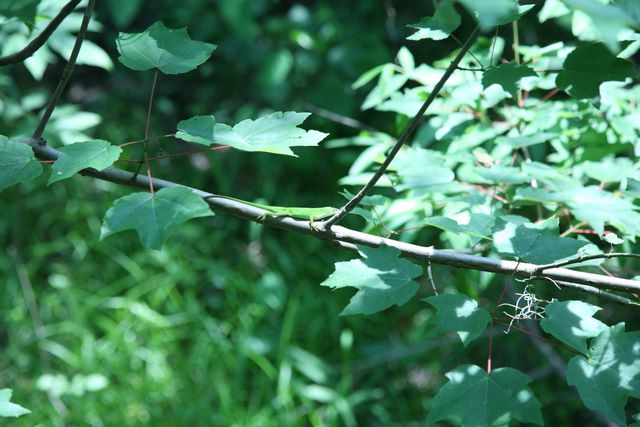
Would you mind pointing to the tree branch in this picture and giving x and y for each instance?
(66, 74)
(41, 38)
(406, 134)
(348, 238)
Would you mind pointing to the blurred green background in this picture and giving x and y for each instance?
(227, 324)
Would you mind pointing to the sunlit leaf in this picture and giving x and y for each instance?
(572, 323)
(274, 133)
(536, 243)
(457, 313)
(381, 277)
(609, 374)
(8, 408)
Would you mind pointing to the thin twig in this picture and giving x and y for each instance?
(66, 74)
(406, 134)
(41, 38)
(586, 258)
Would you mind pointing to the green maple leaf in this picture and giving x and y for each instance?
(17, 163)
(572, 323)
(154, 217)
(273, 133)
(97, 154)
(507, 75)
(381, 277)
(457, 313)
(444, 21)
(587, 67)
(536, 243)
(8, 408)
(610, 373)
(473, 398)
(170, 51)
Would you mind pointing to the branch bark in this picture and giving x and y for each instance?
(349, 239)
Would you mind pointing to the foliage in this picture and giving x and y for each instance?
(528, 154)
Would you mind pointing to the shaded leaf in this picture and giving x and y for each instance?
(274, 133)
(97, 154)
(609, 374)
(572, 323)
(507, 75)
(438, 27)
(457, 313)
(17, 163)
(588, 66)
(381, 277)
(170, 51)
(474, 398)
(154, 217)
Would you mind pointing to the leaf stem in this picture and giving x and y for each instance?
(66, 74)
